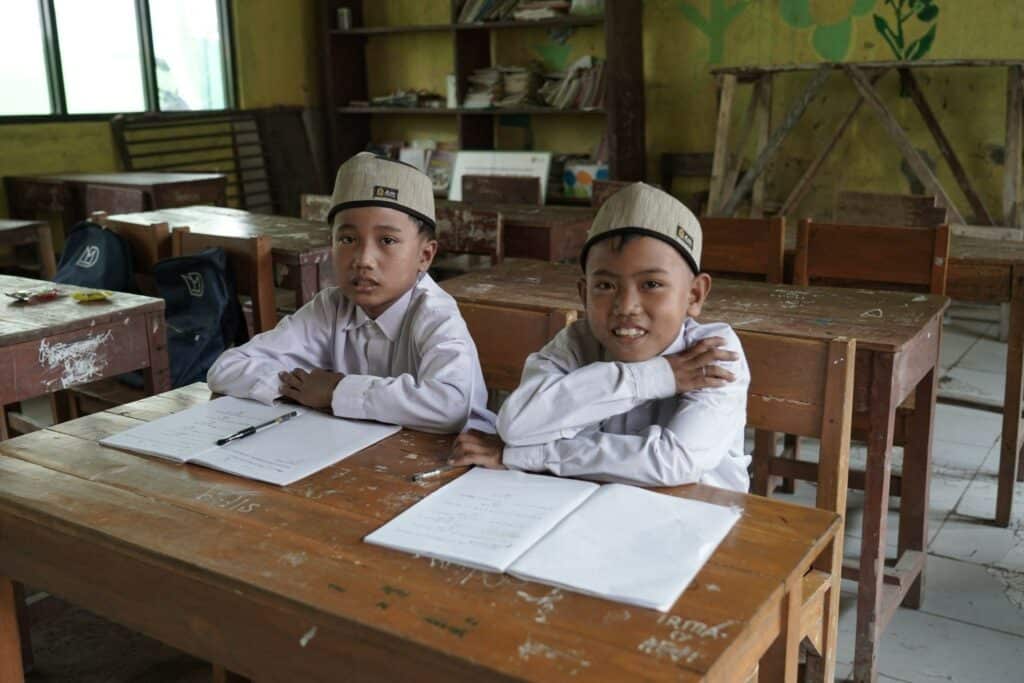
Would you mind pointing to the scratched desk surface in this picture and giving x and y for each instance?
(276, 583)
(879, 320)
(20, 322)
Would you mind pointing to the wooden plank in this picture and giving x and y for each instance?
(1014, 143)
(917, 95)
(735, 159)
(902, 140)
(1012, 403)
(748, 71)
(774, 141)
(763, 95)
(727, 90)
(10, 643)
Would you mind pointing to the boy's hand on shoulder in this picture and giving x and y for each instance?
(695, 368)
(478, 448)
(314, 389)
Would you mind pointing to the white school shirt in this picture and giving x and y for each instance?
(415, 365)
(577, 414)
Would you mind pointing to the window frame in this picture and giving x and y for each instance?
(55, 75)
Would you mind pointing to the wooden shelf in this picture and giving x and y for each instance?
(480, 26)
(444, 111)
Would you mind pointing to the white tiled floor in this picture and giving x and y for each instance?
(971, 627)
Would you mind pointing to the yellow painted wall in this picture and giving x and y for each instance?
(276, 61)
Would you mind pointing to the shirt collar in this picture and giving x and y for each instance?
(390, 321)
(679, 344)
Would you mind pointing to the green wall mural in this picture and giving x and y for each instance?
(720, 15)
(924, 11)
(832, 34)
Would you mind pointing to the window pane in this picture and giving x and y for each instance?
(23, 84)
(99, 50)
(187, 49)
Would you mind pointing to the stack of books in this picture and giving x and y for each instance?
(520, 85)
(474, 11)
(486, 10)
(486, 86)
(540, 9)
(581, 86)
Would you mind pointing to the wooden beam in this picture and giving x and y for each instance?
(804, 184)
(775, 141)
(753, 71)
(763, 94)
(917, 95)
(902, 140)
(1012, 172)
(727, 89)
(735, 159)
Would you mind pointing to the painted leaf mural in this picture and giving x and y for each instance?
(720, 15)
(906, 16)
(832, 21)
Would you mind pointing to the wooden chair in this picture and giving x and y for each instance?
(805, 388)
(114, 199)
(906, 258)
(747, 248)
(314, 207)
(249, 259)
(687, 165)
(601, 190)
(877, 208)
(463, 231)
(501, 189)
(17, 234)
(149, 242)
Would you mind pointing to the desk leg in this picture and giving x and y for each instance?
(10, 642)
(876, 506)
(309, 284)
(782, 660)
(914, 489)
(764, 451)
(1008, 448)
(157, 376)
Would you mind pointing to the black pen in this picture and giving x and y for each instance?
(255, 428)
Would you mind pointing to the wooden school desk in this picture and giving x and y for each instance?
(301, 249)
(992, 271)
(16, 233)
(52, 346)
(276, 583)
(897, 337)
(547, 233)
(70, 194)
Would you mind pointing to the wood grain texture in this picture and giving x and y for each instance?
(492, 189)
(744, 246)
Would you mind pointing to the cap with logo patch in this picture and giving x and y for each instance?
(645, 210)
(370, 180)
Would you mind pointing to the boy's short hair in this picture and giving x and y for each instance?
(370, 180)
(642, 210)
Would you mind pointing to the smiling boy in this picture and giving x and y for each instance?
(638, 392)
(387, 343)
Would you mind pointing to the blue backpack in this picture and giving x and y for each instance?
(96, 257)
(203, 314)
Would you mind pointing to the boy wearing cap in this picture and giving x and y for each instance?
(638, 392)
(387, 343)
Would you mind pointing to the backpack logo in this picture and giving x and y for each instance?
(195, 284)
(90, 255)
(381, 192)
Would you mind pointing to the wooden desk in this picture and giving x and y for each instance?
(301, 249)
(49, 347)
(276, 584)
(898, 337)
(65, 193)
(547, 233)
(15, 233)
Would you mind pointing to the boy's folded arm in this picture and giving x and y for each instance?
(437, 399)
(301, 340)
(555, 400)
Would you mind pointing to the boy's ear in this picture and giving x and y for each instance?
(428, 250)
(581, 288)
(698, 294)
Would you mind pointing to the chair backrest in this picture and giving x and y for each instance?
(114, 199)
(744, 247)
(501, 189)
(601, 190)
(890, 257)
(803, 387)
(250, 261)
(314, 207)
(463, 229)
(502, 355)
(149, 242)
(878, 208)
(687, 165)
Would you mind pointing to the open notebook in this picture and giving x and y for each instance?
(281, 454)
(613, 541)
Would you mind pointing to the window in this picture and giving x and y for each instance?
(69, 57)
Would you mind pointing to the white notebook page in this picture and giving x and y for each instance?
(485, 519)
(630, 545)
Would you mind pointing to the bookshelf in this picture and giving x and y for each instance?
(345, 79)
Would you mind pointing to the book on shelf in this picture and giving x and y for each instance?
(611, 541)
(541, 9)
(581, 86)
